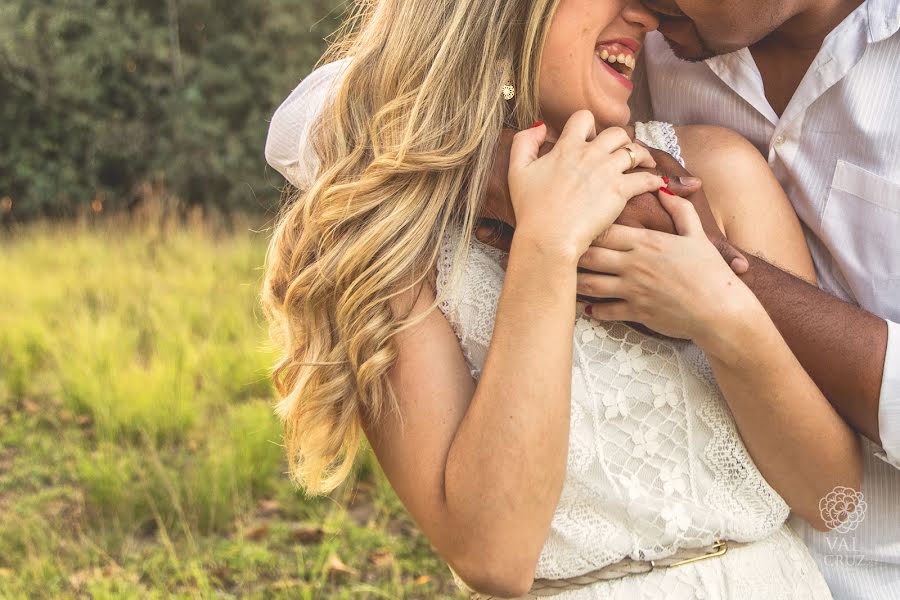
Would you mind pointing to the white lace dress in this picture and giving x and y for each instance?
(655, 462)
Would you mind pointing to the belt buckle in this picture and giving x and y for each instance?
(719, 548)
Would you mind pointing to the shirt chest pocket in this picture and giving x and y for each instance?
(861, 227)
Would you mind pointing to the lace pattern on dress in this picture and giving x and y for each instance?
(466, 291)
(655, 462)
(661, 136)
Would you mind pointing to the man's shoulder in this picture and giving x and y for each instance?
(287, 143)
(319, 82)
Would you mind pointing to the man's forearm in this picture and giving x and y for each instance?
(841, 346)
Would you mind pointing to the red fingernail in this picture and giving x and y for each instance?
(666, 180)
(588, 309)
(666, 190)
(538, 124)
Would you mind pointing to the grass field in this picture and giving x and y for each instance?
(139, 454)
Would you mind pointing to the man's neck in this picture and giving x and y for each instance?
(784, 56)
(808, 28)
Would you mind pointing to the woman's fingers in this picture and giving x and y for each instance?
(581, 127)
(687, 221)
(619, 237)
(525, 147)
(635, 184)
(599, 285)
(622, 158)
(610, 311)
(602, 260)
(611, 139)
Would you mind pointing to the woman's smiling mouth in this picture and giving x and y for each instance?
(619, 57)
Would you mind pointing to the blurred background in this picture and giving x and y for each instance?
(139, 453)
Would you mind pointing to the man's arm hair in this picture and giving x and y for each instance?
(841, 346)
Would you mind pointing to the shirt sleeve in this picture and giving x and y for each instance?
(889, 405)
(288, 150)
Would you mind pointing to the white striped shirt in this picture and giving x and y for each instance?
(836, 151)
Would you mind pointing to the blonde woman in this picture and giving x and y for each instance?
(541, 451)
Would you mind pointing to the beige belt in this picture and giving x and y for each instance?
(627, 566)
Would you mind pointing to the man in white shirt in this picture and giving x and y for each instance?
(815, 85)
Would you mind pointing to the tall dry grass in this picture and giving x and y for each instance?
(139, 454)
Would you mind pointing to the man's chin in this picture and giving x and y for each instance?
(696, 53)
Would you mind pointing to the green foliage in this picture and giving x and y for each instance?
(100, 96)
(139, 453)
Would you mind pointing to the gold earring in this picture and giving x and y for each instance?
(509, 90)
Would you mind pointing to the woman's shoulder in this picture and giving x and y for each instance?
(708, 141)
(694, 139)
(690, 142)
(719, 156)
(718, 153)
(746, 197)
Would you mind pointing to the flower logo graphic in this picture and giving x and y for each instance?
(843, 509)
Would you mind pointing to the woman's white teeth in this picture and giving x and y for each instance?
(623, 59)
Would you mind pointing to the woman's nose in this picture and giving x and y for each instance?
(636, 13)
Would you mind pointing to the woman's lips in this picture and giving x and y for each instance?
(627, 83)
(619, 59)
(629, 43)
(619, 56)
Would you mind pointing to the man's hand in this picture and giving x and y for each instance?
(644, 211)
(683, 184)
(849, 373)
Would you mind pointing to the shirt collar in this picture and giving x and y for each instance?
(884, 19)
(872, 22)
(738, 71)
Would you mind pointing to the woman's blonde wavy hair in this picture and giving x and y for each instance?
(405, 150)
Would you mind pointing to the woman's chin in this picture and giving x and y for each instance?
(612, 116)
(606, 114)
(610, 94)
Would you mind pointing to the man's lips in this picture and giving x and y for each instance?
(682, 36)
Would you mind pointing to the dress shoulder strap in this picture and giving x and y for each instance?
(661, 136)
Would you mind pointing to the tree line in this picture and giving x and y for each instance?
(100, 99)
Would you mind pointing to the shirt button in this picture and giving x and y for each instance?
(779, 140)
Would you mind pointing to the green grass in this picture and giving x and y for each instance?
(139, 453)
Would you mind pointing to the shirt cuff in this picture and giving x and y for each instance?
(889, 404)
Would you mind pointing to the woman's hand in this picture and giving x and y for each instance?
(568, 197)
(677, 285)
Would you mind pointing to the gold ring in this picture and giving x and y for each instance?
(633, 156)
